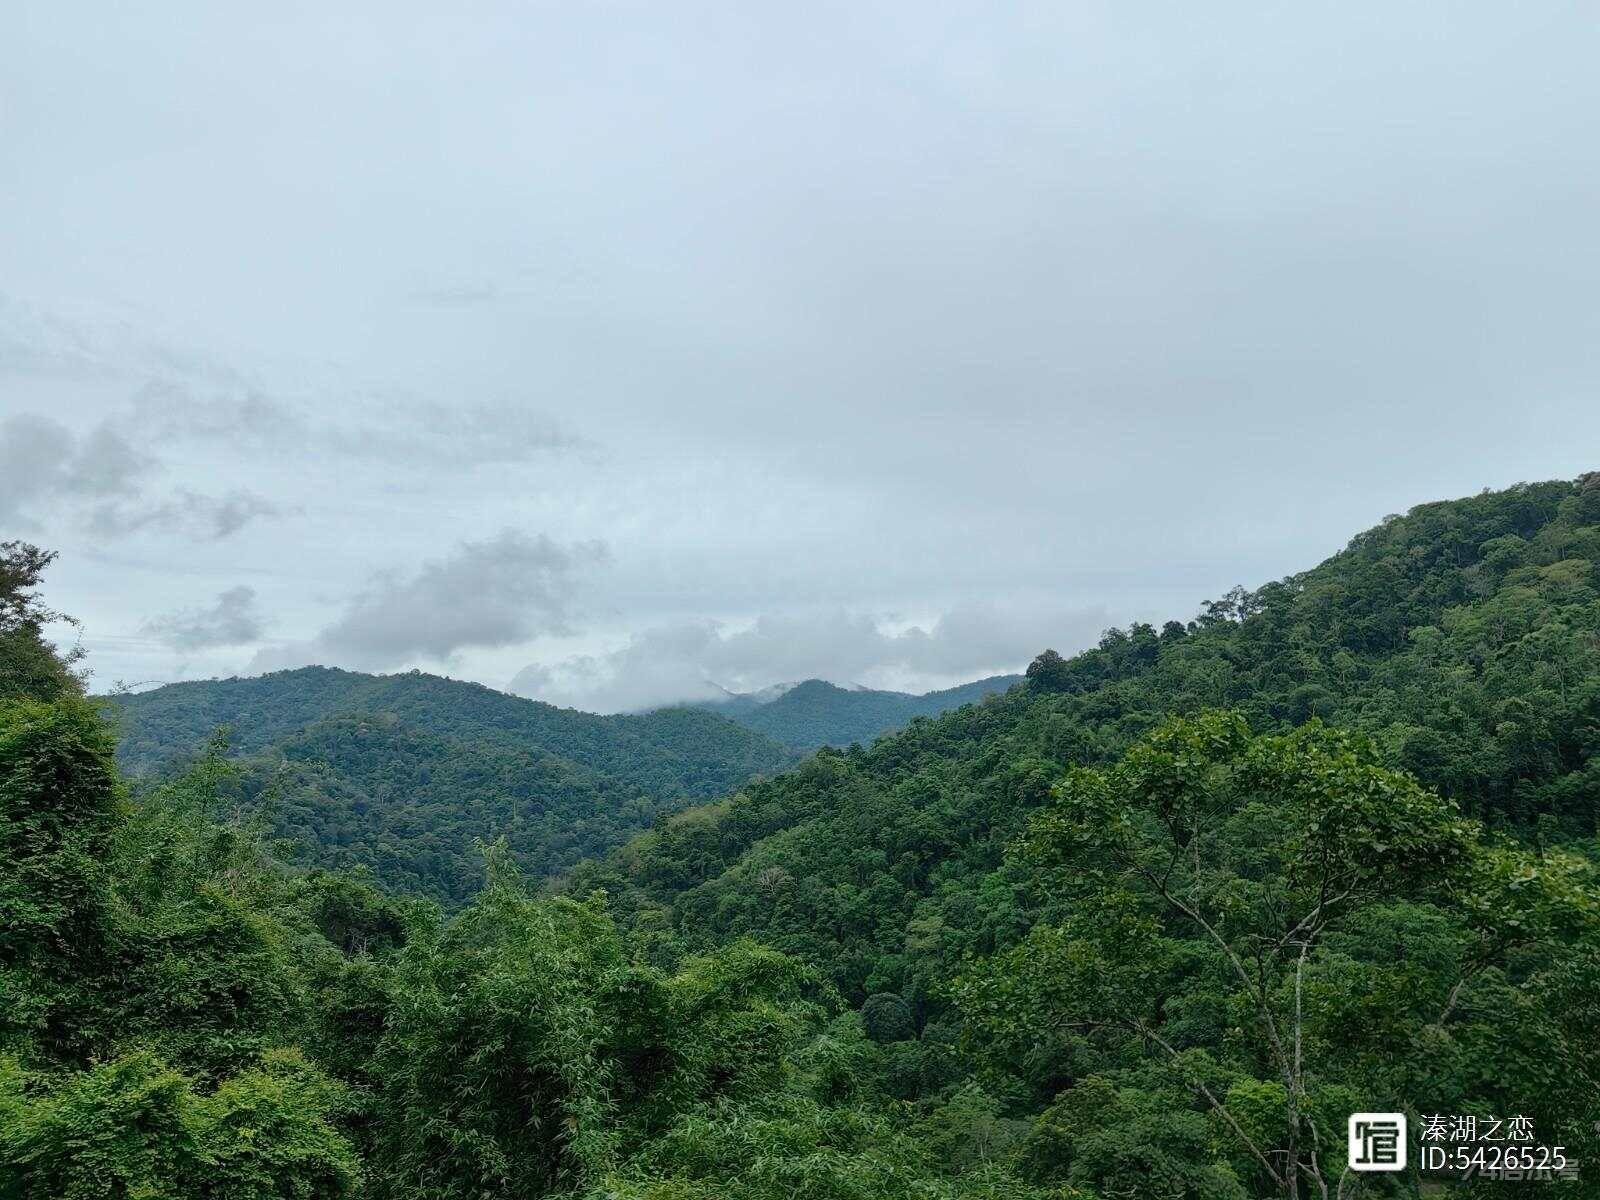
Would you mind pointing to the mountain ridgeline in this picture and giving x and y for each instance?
(816, 713)
(1461, 642)
(1153, 923)
(404, 774)
(669, 749)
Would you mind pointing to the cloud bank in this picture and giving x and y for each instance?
(101, 480)
(883, 308)
(703, 660)
(232, 621)
(486, 594)
(382, 426)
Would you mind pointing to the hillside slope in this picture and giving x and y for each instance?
(1109, 1005)
(404, 773)
(816, 713)
(675, 749)
(1463, 638)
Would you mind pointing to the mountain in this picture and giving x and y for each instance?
(1154, 922)
(1099, 891)
(1463, 639)
(816, 713)
(692, 753)
(403, 773)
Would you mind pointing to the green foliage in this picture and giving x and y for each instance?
(677, 750)
(149, 988)
(29, 666)
(58, 809)
(193, 1021)
(204, 965)
(887, 1018)
(409, 807)
(1152, 924)
(792, 1146)
(1474, 668)
(404, 774)
(1271, 920)
(1049, 672)
(268, 1132)
(1130, 1141)
(126, 1126)
(135, 1127)
(497, 1055)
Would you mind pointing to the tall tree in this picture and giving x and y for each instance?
(1295, 932)
(29, 665)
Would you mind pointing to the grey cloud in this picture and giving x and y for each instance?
(886, 306)
(702, 660)
(33, 456)
(190, 395)
(43, 463)
(207, 517)
(382, 427)
(492, 593)
(243, 417)
(106, 464)
(38, 342)
(232, 621)
(457, 435)
(102, 478)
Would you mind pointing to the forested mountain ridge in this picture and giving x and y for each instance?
(1060, 945)
(413, 806)
(673, 748)
(975, 883)
(182, 1017)
(815, 713)
(1462, 638)
(404, 774)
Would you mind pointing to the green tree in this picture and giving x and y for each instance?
(135, 1127)
(1049, 671)
(29, 666)
(1230, 905)
(887, 1018)
(59, 808)
(493, 1072)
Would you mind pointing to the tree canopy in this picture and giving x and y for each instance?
(1152, 924)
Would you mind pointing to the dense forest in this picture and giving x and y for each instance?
(815, 713)
(1151, 924)
(1458, 645)
(670, 750)
(403, 774)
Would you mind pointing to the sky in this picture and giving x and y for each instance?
(615, 353)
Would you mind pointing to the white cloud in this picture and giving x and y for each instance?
(497, 592)
(703, 660)
(380, 425)
(883, 307)
(233, 620)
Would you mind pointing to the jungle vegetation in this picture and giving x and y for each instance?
(1150, 924)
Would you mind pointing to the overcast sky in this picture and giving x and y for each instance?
(611, 351)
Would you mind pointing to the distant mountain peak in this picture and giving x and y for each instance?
(773, 691)
(809, 713)
(777, 691)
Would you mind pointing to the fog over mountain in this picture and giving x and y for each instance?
(618, 354)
